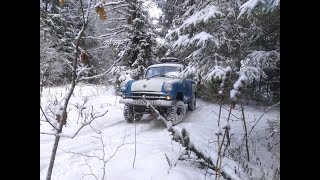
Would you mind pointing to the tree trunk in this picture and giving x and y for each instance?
(63, 118)
(53, 157)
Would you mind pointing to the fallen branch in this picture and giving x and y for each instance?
(184, 139)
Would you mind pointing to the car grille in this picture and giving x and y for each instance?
(147, 96)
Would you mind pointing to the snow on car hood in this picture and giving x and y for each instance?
(153, 84)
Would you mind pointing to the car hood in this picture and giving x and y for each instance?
(153, 84)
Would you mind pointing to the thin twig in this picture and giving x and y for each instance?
(107, 71)
(103, 158)
(48, 119)
(78, 130)
(135, 140)
(246, 132)
(268, 109)
(92, 174)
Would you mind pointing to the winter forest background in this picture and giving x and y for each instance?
(231, 48)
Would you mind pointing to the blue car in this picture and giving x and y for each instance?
(163, 89)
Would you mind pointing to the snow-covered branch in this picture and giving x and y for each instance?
(245, 75)
(184, 139)
(117, 7)
(113, 34)
(114, 20)
(114, 3)
(116, 29)
(106, 4)
(106, 35)
(83, 69)
(251, 6)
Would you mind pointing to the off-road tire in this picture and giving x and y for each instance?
(176, 113)
(129, 114)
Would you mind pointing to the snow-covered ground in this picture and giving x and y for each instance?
(154, 142)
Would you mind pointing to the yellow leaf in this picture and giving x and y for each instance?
(61, 2)
(98, 9)
(84, 57)
(101, 12)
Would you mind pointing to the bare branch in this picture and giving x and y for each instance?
(110, 42)
(168, 160)
(268, 109)
(83, 125)
(114, 20)
(110, 4)
(77, 153)
(273, 105)
(102, 37)
(92, 174)
(271, 134)
(84, 22)
(48, 119)
(112, 34)
(78, 130)
(114, 3)
(116, 29)
(105, 161)
(114, 153)
(117, 7)
(95, 130)
(49, 133)
(120, 12)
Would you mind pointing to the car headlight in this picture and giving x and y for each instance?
(123, 86)
(167, 86)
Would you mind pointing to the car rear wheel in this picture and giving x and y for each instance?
(129, 114)
(176, 113)
(193, 103)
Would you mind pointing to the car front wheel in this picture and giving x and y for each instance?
(129, 114)
(176, 113)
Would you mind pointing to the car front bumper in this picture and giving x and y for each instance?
(145, 102)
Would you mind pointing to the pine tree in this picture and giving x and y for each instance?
(57, 28)
(139, 54)
(212, 35)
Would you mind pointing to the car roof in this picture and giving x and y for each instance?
(167, 64)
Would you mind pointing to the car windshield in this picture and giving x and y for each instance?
(163, 71)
